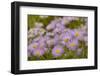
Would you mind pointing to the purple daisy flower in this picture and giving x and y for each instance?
(70, 32)
(36, 31)
(66, 38)
(59, 30)
(39, 52)
(65, 20)
(50, 42)
(84, 30)
(57, 39)
(59, 25)
(51, 26)
(50, 34)
(73, 44)
(57, 51)
(30, 33)
(41, 31)
(78, 34)
(42, 42)
(36, 39)
(36, 49)
(71, 18)
(31, 48)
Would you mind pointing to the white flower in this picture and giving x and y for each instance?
(30, 33)
(43, 16)
(38, 24)
(79, 51)
(50, 34)
(50, 42)
(50, 27)
(42, 31)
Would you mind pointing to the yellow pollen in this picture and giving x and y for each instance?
(66, 40)
(58, 51)
(34, 46)
(37, 53)
(76, 34)
(72, 44)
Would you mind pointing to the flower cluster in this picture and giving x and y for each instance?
(56, 36)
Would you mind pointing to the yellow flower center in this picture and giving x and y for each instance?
(58, 51)
(72, 44)
(37, 53)
(77, 34)
(34, 46)
(66, 40)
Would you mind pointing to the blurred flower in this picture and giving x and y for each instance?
(59, 25)
(59, 30)
(50, 42)
(84, 29)
(66, 37)
(36, 49)
(30, 49)
(43, 16)
(42, 31)
(78, 34)
(66, 20)
(79, 51)
(30, 33)
(36, 39)
(51, 26)
(73, 44)
(85, 39)
(32, 46)
(42, 42)
(57, 51)
(51, 34)
(57, 39)
(38, 52)
(71, 18)
(38, 24)
(36, 31)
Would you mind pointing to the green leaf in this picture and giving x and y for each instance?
(75, 24)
